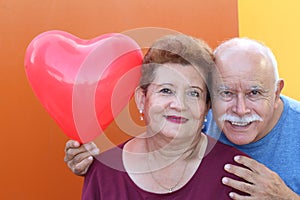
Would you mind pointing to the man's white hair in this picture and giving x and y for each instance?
(246, 43)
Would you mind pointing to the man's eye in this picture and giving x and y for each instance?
(166, 91)
(226, 94)
(254, 92)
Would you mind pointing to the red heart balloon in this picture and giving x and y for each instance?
(83, 84)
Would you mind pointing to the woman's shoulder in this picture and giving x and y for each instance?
(109, 160)
(216, 148)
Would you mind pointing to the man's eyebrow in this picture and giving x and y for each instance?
(222, 87)
(256, 87)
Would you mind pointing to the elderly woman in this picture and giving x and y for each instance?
(173, 159)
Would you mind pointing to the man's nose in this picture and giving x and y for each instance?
(240, 107)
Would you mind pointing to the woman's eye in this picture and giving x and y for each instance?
(194, 93)
(166, 91)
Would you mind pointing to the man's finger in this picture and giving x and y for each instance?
(241, 172)
(71, 144)
(249, 162)
(86, 149)
(92, 148)
(82, 167)
(236, 196)
(238, 185)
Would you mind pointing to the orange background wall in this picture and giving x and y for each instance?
(31, 158)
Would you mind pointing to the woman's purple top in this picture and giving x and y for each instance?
(107, 180)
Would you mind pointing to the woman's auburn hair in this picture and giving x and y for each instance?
(179, 49)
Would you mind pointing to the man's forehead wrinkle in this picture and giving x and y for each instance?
(229, 84)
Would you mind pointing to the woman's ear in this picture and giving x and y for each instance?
(140, 97)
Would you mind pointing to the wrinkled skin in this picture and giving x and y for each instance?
(79, 157)
(263, 183)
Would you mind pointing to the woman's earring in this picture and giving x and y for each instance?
(204, 122)
(141, 115)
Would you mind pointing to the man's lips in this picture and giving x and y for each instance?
(176, 119)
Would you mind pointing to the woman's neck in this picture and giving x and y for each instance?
(161, 147)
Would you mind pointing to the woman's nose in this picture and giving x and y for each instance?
(178, 102)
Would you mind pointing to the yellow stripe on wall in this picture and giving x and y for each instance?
(277, 24)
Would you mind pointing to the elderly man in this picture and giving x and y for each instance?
(253, 116)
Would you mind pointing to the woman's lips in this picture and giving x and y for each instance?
(176, 119)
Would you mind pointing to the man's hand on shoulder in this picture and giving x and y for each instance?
(79, 157)
(260, 181)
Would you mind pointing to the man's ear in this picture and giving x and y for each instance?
(280, 85)
(140, 96)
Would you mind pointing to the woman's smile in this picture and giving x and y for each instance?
(176, 119)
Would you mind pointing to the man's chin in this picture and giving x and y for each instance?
(240, 138)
